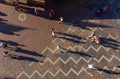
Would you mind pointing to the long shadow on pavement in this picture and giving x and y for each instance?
(70, 37)
(2, 14)
(75, 52)
(109, 42)
(7, 78)
(108, 71)
(28, 52)
(79, 53)
(12, 43)
(9, 29)
(25, 58)
(31, 11)
(85, 25)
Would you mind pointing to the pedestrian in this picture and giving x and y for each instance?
(91, 66)
(51, 13)
(91, 35)
(52, 32)
(60, 49)
(16, 5)
(60, 20)
(5, 53)
(96, 39)
(36, 11)
(3, 45)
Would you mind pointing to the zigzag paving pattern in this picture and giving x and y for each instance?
(72, 64)
(77, 52)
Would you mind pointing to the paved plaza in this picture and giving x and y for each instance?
(34, 53)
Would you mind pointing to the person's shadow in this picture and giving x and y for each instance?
(2, 14)
(16, 57)
(28, 52)
(107, 71)
(11, 43)
(64, 50)
(109, 42)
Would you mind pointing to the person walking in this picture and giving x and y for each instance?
(92, 67)
(60, 20)
(60, 48)
(51, 13)
(96, 39)
(3, 45)
(52, 32)
(16, 5)
(5, 53)
(36, 11)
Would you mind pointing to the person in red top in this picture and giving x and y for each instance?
(16, 5)
(51, 13)
(96, 39)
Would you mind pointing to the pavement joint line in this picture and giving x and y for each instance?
(56, 73)
(101, 28)
(31, 64)
(55, 40)
(58, 39)
(66, 74)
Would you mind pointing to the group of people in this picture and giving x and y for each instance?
(36, 11)
(52, 15)
(92, 37)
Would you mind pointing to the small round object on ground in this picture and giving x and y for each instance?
(22, 17)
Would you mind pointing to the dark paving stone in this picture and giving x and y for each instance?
(59, 76)
(92, 6)
(98, 1)
(101, 5)
(36, 76)
(111, 1)
(64, 56)
(48, 75)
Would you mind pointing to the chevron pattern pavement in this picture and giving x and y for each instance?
(78, 54)
(72, 64)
